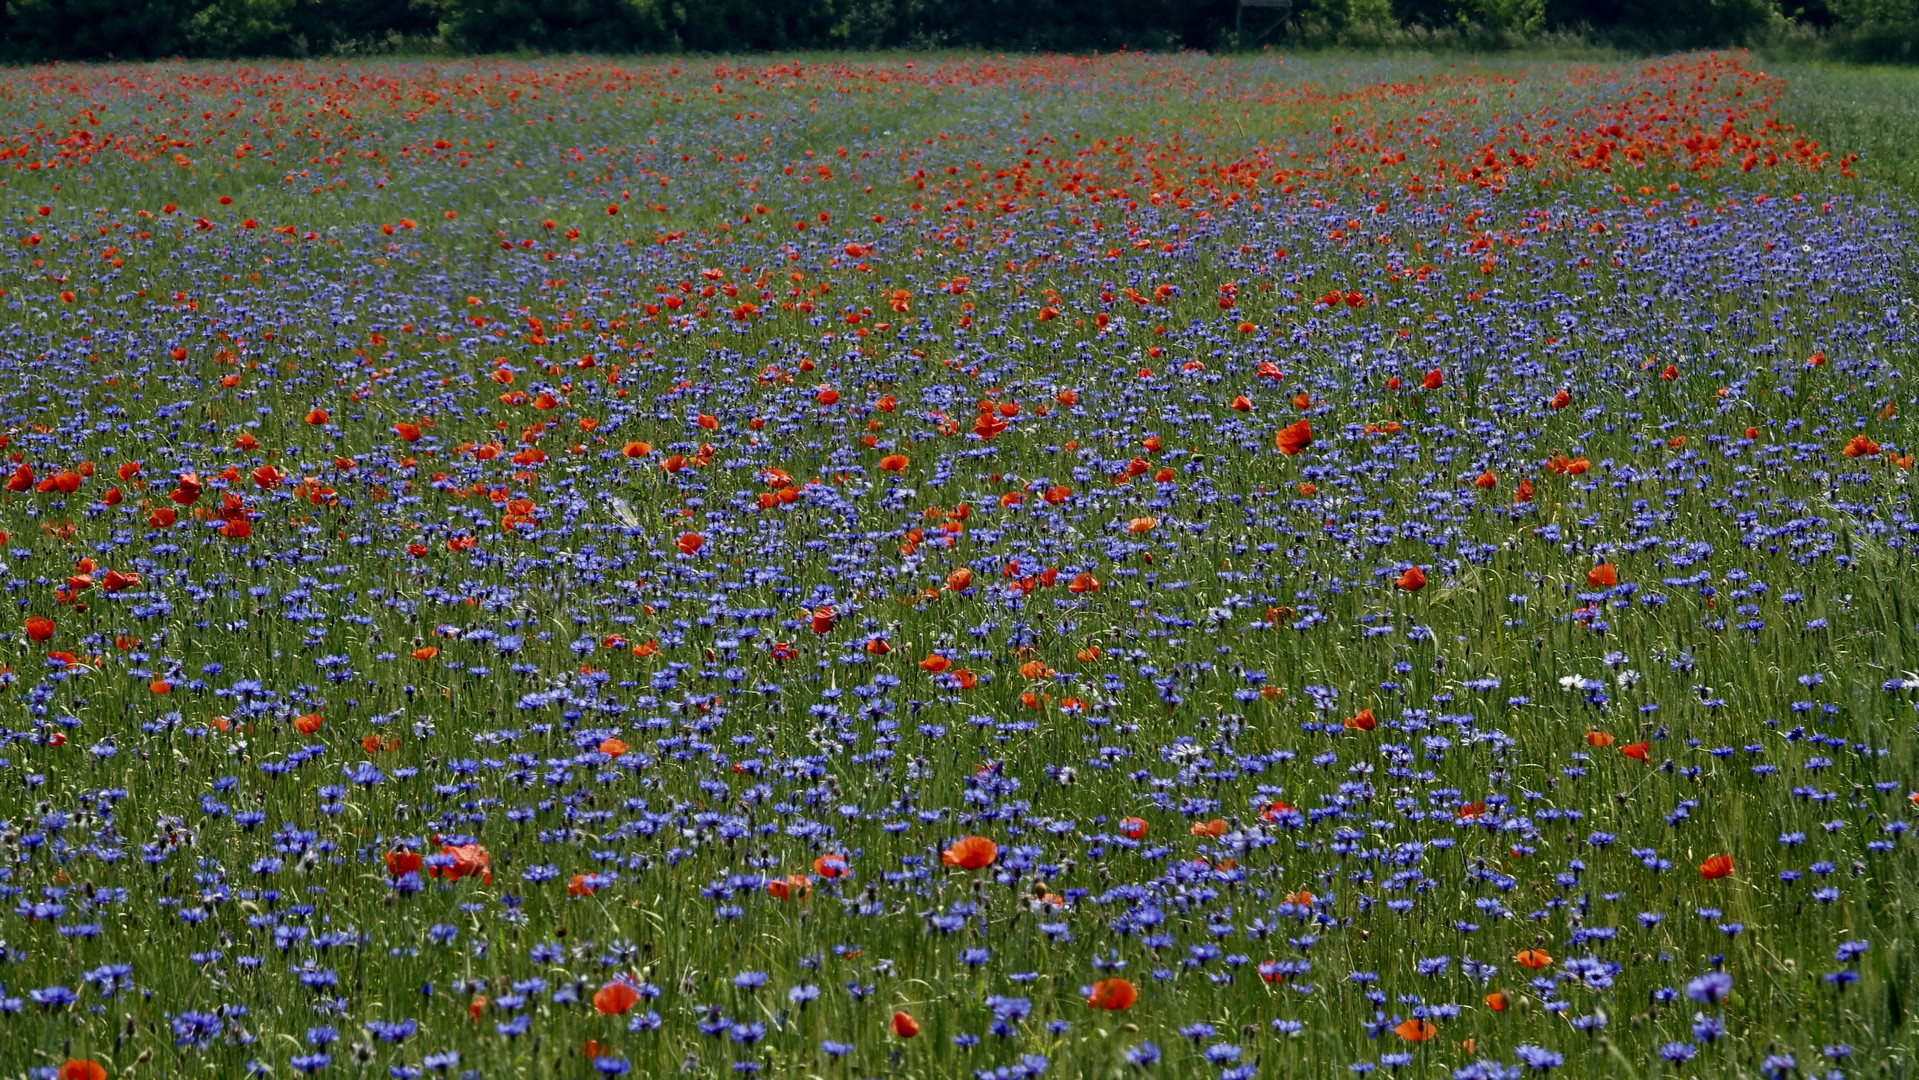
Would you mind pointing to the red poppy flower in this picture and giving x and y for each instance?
(1113, 995)
(1415, 1030)
(904, 1026)
(1716, 867)
(82, 1069)
(1532, 958)
(1413, 580)
(468, 859)
(1859, 446)
(790, 887)
(1294, 437)
(614, 998)
(401, 863)
(186, 491)
(39, 627)
(971, 853)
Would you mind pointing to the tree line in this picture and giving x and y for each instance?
(46, 30)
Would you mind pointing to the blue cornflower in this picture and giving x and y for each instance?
(1538, 1058)
(1710, 988)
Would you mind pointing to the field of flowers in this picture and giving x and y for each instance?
(946, 567)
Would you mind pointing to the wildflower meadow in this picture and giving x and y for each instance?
(953, 566)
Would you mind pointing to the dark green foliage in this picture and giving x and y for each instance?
(96, 29)
(1663, 23)
(556, 25)
(41, 30)
(720, 25)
